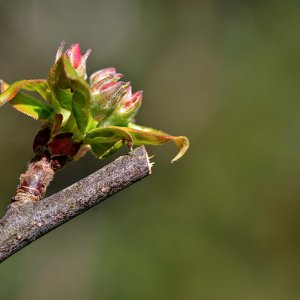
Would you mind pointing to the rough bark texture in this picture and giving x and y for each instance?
(25, 222)
(34, 182)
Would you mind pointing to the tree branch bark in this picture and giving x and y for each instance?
(23, 223)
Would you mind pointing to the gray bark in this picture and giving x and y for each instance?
(25, 222)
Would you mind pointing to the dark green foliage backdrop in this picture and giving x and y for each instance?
(223, 222)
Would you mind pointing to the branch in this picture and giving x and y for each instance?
(24, 223)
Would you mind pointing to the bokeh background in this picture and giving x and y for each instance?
(223, 222)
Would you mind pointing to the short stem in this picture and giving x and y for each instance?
(34, 182)
(51, 154)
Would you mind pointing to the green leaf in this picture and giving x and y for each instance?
(31, 107)
(10, 91)
(24, 103)
(71, 92)
(149, 136)
(104, 141)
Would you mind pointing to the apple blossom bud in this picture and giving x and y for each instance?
(74, 55)
(101, 74)
(77, 60)
(105, 96)
(114, 77)
(126, 108)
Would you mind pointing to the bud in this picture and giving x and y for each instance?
(63, 144)
(105, 94)
(126, 108)
(110, 78)
(77, 60)
(101, 74)
(113, 102)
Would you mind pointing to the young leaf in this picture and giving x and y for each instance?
(64, 81)
(104, 141)
(34, 85)
(148, 136)
(31, 107)
(27, 104)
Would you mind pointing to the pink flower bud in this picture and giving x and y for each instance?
(77, 60)
(136, 99)
(113, 102)
(101, 74)
(126, 108)
(129, 103)
(81, 69)
(96, 87)
(105, 96)
(74, 55)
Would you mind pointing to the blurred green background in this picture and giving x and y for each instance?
(221, 223)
